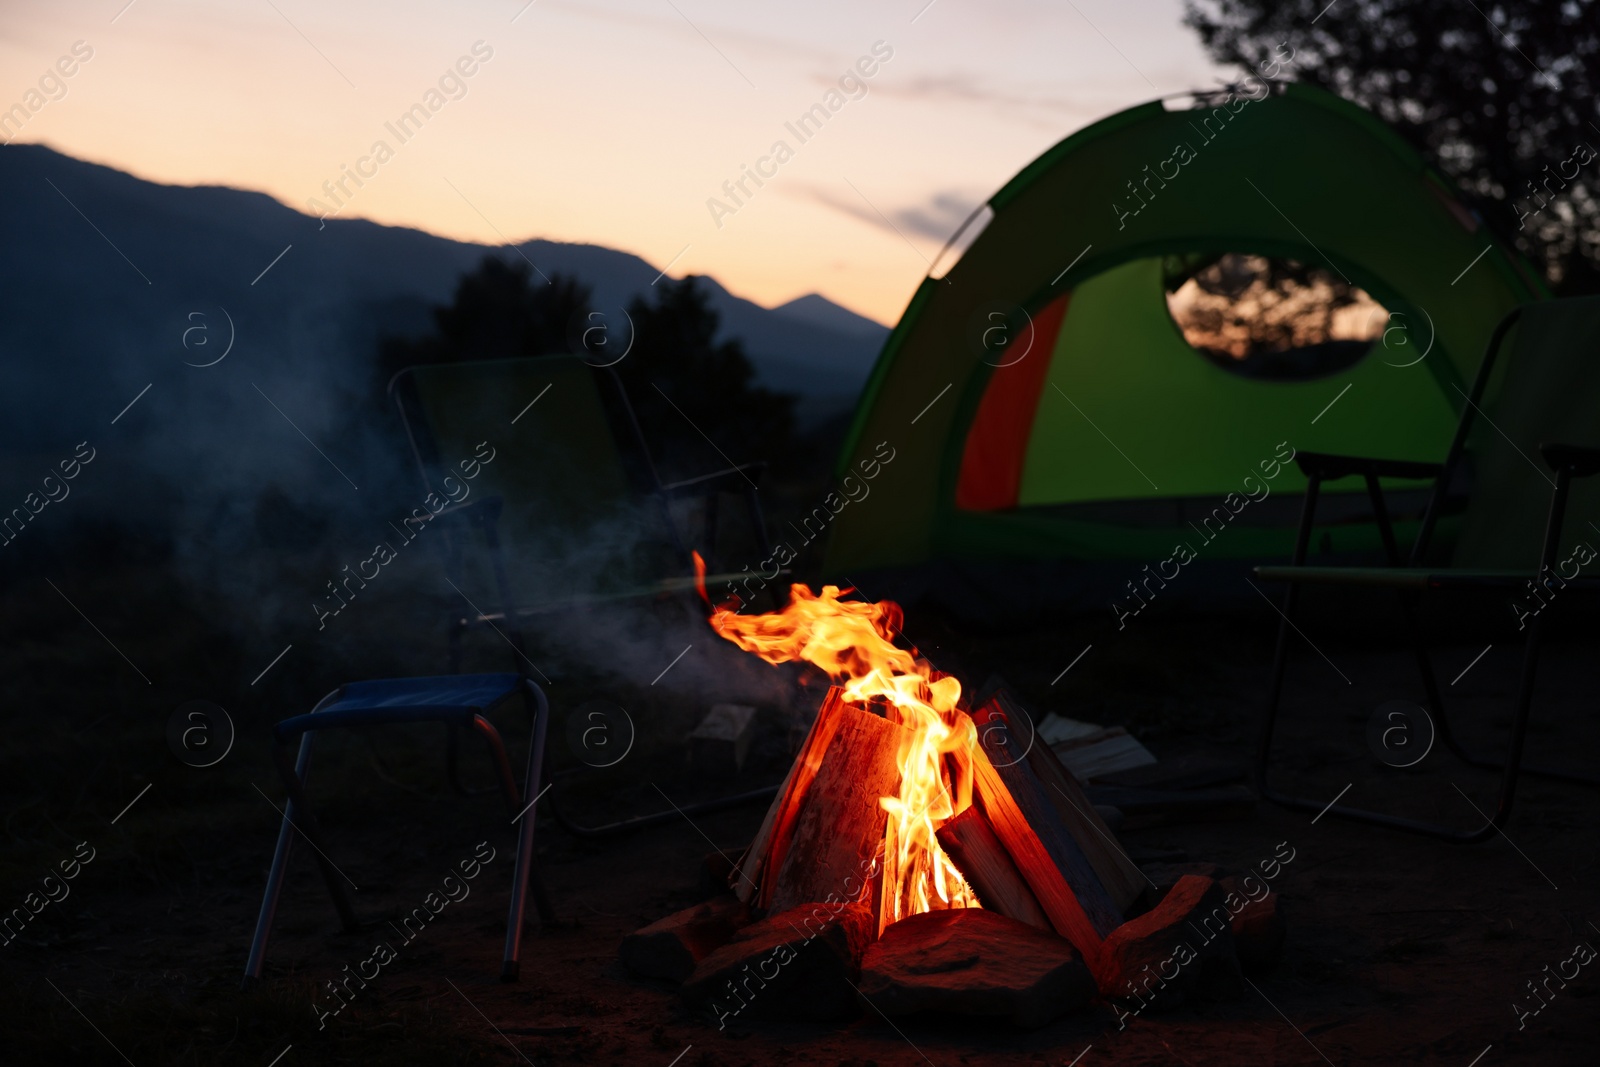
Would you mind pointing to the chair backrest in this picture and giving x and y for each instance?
(1539, 384)
(581, 515)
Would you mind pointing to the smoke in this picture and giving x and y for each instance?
(217, 351)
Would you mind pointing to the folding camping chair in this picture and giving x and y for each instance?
(569, 461)
(570, 458)
(457, 700)
(1519, 523)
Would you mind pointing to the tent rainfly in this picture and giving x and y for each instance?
(1157, 313)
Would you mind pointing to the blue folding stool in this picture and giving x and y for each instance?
(460, 700)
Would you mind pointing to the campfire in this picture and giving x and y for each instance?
(941, 854)
(899, 731)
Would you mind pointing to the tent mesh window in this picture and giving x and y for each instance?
(1270, 318)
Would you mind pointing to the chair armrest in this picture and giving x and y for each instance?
(734, 479)
(1319, 467)
(1580, 461)
(1328, 466)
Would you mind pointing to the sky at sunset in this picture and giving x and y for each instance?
(613, 123)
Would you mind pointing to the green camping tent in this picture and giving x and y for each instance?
(1098, 432)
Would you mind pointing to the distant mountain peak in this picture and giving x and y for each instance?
(818, 310)
(315, 296)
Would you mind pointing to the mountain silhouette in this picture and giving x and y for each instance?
(104, 271)
(215, 351)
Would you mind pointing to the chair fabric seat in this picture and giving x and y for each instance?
(436, 698)
(471, 692)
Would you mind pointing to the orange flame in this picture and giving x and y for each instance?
(853, 641)
(700, 577)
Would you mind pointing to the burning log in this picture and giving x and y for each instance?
(974, 855)
(671, 947)
(1189, 932)
(1122, 880)
(1031, 800)
(973, 962)
(761, 860)
(1258, 927)
(833, 851)
(1034, 861)
(799, 964)
(922, 767)
(970, 841)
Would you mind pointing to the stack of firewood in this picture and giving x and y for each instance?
(803, 931)
(1031, 845)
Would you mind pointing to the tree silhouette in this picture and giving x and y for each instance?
(499, 312)
(1499, 97)
(1264, 317)
(694, 395)
(684, 383)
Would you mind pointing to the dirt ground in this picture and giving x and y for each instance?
(1401, 950)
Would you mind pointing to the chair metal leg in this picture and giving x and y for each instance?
(502, 762)
(275, 875)
(453, 767)
(511, 967)
(305, 821)
(1430, 680)
(1280, 651)
(759, 520)
(1391, 822)
(1436, 705)
(299, 818)
(1519, 725)
(1511, 769)
(1269, 716)
(1280, 661)
(1565, 469)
